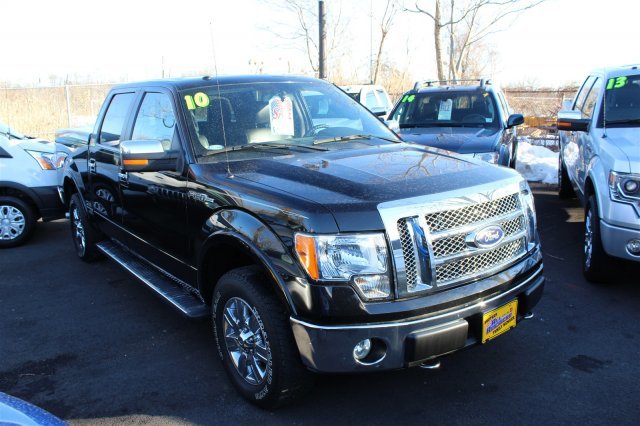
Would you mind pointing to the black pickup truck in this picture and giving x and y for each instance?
(316, 239)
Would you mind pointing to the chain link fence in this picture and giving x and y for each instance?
(40, 111)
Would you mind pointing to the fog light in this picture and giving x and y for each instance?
(362, 349)
(633, 247)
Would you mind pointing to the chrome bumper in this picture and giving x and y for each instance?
(400, 344)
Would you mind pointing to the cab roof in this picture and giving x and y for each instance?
(194, 82)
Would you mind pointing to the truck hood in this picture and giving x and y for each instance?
(350, 183)
(627, 142)
(463, 140)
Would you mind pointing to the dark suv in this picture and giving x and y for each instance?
(315, 238)
(473, 120)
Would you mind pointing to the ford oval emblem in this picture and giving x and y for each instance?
(489, 237)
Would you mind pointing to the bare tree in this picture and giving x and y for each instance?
(467, 22)
(390, 13)
(303, 33)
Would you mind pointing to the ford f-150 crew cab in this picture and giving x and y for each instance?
(313, 236)
(600, 162)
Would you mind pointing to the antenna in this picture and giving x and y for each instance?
(215, 69)
(604, 106)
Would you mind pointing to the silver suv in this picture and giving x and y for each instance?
(600, 162)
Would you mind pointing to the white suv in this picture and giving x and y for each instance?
(600, 162)
(373, 96)
(28, 185)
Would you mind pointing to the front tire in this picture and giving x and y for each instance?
(84, 236)
(255, 341)
(17, 222)
(596, 262)
(565, 191)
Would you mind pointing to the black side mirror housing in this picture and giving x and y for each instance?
(146, 156)
(514, 120)
(574, 124)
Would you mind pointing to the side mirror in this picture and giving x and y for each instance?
(514, 120)
(572, 121)
(393, 125)
(380, 113)
(146, 156)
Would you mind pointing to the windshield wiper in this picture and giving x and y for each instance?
(261, 146)
(625, 121)
(341, 139)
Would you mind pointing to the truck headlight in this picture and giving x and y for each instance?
(489, 157)
(624, 185)
(530, 207)
(361, 259)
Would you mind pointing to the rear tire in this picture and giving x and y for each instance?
(83, 234)
(565, 190)
(255, 341)
(596, 262)
(17, 221)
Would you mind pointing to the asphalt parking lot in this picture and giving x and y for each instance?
(92, 345)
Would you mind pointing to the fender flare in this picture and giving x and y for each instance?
(232, 226)
(25, 190)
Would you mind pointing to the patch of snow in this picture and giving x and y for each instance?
(537, 163)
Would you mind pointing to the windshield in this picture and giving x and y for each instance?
(623, 100)
(447, 109)
(284, 115)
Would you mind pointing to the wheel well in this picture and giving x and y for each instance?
(13, 192)
(218, 260)
(588, 189)
(69, 189)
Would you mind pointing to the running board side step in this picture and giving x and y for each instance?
(171, 291)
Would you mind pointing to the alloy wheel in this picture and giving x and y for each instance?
(12, 222)
(78, 229)
(245, 341)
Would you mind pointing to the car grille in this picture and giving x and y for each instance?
(454, 257)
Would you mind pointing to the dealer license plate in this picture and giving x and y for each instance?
(499, 321)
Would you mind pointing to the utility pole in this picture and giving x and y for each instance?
(322, 66)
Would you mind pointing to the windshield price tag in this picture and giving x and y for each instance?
(199, 100)
(444, 113)
(281, 116)
(617, 82)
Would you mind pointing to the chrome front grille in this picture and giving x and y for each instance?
(467, 267)
(449, 240)
(448, 219)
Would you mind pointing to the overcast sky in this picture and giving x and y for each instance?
(550, 45)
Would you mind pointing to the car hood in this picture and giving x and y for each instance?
(34, 145)
(463, 140)
(350, 183)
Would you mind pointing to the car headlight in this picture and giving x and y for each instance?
(527, 197)
(361, 259)
(46, 160)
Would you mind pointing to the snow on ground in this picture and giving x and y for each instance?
(537, 163)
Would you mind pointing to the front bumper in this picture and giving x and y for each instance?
(400, 344)
(615, 238)
(48, 201)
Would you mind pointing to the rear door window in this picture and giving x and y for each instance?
(590, 101)
(582, 93)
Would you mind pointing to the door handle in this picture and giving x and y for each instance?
(123, 177)
(92, 165)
